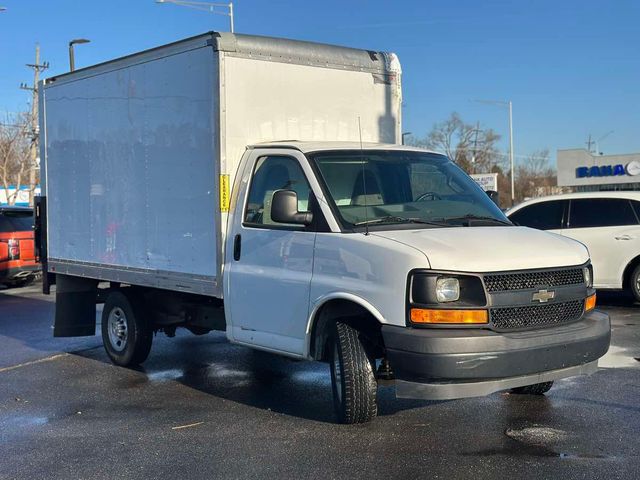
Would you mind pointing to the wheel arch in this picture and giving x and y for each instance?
(628, 270)
(353, 309)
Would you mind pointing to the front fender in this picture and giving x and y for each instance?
(323, 300)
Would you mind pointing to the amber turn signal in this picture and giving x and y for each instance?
(590, 302)
(424, 315)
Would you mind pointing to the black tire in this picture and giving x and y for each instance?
(23, 282)
(352, 377)
(535, 389)
(131, 345)
(634, 283)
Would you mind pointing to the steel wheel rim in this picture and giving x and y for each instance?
(337, 373)
(118, 329)
(638, 283)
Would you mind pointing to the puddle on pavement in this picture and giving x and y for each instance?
(538, 440)
(617, 357)
(312, 376)
(22, 421)
(536, 435)
(165, 375)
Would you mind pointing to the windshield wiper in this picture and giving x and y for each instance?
(397, 219)
(479, 217)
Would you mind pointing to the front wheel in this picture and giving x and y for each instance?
(352, 377)
(535, 389)
(126, 333)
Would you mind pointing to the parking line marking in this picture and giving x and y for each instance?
(187, 426)
(33, 362)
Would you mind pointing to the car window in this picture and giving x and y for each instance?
(601, 212)
(16, 221)
(636, 206)
(543, 215)
(275, 173)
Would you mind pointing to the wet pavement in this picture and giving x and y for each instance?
(203, 408)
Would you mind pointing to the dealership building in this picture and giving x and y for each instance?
(586, 172)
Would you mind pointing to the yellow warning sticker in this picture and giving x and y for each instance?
(225, 193)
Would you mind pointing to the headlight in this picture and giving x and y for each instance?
(447, 289)
(588, 277)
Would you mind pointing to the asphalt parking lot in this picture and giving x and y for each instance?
(203, 408)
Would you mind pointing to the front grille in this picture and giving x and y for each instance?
(533, 316)
(501, 282)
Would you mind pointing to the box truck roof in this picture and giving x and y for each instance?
(257, 47)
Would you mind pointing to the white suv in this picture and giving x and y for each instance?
(608, 223)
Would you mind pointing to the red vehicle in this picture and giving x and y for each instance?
(18, 264)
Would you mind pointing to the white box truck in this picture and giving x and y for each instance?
(255, 185)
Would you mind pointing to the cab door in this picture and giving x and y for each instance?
(269, 265)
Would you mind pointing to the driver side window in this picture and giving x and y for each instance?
(274, 173)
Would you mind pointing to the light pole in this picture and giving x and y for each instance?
(510, 106)
(598, 152)
(72, 60)
(211, 7)
(404, 134)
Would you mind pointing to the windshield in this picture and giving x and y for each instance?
(16, 221)
(393, 187)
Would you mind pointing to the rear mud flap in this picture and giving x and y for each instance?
(75, 307)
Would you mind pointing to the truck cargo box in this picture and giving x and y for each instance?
(139, 154)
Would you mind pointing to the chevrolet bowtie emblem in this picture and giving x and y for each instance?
(543, 296)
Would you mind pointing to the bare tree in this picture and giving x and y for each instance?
(15, 161)
(472, 148)
(535, 176)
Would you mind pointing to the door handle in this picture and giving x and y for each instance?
(624, 237)
(237, 247)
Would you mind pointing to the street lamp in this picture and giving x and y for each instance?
(210, 7)
(507, 104)
(72, 60)
(404, 134)
(598, 152)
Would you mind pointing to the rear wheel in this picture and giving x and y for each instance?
(23, 282)
(352, 377)
(634, 283)
(126, 333)
(535, 389)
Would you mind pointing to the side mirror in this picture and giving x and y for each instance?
(284, 208)
(494, 196)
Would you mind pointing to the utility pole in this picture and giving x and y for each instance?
(33, 149)
(475, 148)
(513, 171)
(509, 105)
(589, 142)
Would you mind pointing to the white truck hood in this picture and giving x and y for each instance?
(491, 249)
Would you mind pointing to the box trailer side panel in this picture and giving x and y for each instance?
(132, 175)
